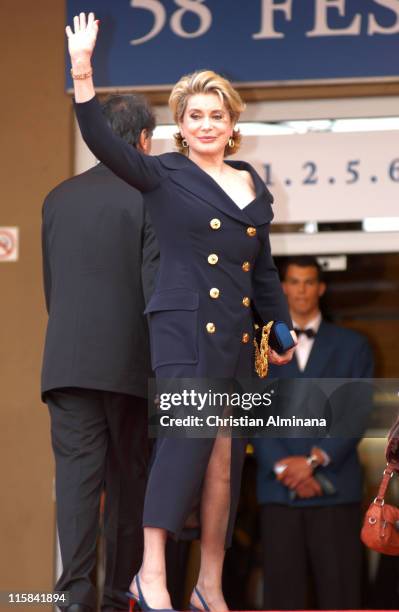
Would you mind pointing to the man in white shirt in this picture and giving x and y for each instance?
(311, 487)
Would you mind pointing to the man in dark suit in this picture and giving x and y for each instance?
(310, 488)
(99, 258)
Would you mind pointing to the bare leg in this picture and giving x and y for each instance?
(153, 571)
(215, 509)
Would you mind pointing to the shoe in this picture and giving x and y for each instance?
(140, 601)
(202, 600)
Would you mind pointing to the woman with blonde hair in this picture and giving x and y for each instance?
(212, 220)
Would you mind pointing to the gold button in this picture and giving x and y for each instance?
(246, 266)
(213, 259)
(245, 338)
(215, 224)
(251, 231)
(246, 301)
(214, 292)
(210, 328)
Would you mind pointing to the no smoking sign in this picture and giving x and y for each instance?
(8, 244)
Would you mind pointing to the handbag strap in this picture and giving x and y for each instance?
(387, 475)
(392, 449)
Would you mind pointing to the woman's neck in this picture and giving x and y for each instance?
(212, 164)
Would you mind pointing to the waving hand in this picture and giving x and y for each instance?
(81, 43)
(82, 40)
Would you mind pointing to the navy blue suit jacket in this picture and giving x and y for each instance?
(336, 353)
(215, 257)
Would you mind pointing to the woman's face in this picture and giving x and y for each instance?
(206, 124)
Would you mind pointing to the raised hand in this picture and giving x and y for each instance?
(82, 40)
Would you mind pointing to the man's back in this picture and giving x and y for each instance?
(97, 246)
(100, 257)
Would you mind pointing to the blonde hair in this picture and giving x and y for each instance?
(204, 82)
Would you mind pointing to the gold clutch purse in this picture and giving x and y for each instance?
(262, 350)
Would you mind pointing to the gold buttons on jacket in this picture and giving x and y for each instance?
(215, 224)
(246, 301)
(210, 328)
(214, 293)
(245, 338)
(246, 266)
(251, 231)
(213, 259)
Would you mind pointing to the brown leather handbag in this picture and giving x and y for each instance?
(380, 529)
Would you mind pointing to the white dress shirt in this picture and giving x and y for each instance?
(302, 353)
(305, 344)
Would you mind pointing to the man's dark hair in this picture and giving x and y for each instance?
(303, 261)
(128, 115)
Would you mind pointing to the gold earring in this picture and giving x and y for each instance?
(184, 143)
(231, 142)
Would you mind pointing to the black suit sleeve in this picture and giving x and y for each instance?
(45, 263)
(269, 299)
(144, 172)
(150, 258)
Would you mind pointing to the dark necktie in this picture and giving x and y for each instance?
(310, 333)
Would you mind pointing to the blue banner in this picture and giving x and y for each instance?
(151, 43)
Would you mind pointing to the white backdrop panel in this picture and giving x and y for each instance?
(328, 176)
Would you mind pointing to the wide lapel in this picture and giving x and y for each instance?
(201, 185)
(260, 210)
(320, 354)
(193, 179)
